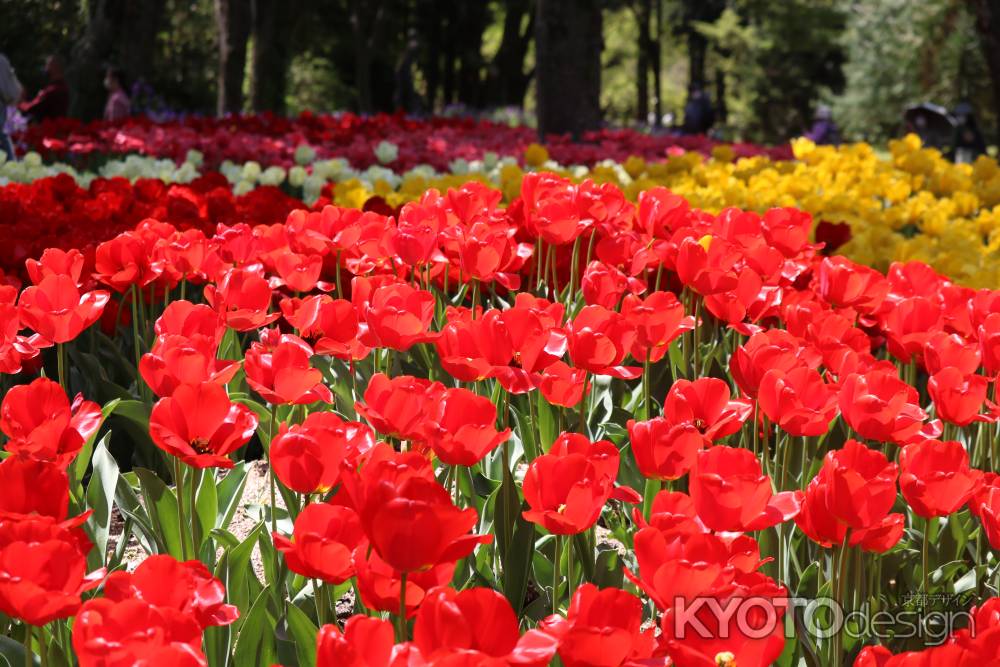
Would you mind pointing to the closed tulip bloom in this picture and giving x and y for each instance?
(935, 477)
(124, 261)
(196, 322)
(664, 450)
(799, 401)
(462, 428)
(732, 494)
(199, 425)
(565, 493)
(278, 369)
(56, 262)
(958, 397)
(42, 424)
(57, 310)
(323, 542)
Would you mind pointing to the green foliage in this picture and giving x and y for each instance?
(902, 53)
(778, 60)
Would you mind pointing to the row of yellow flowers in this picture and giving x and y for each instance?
(908, 203)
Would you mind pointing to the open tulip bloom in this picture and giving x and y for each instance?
(495, 428)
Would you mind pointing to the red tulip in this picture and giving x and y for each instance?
(408, 517)
(958, 397)
(124, 262)
(880, 406)
(798, 401)
(29, 487)
(604, 285)
(379, 583)
(364, 642)
(41, 423)
(58, 311)
(324, 539)
(773, 349)
(135, 632)
(198, 323)
(706, 265)
(705, 404)
(845, 284)
(399, 407)
(462, 427)
(731, 494)
(943, 349)
(186, 587)
(243, 298)
(200, 426)
(567, 488)
(659, 319)
(399, 317)
(476, 626)
(308, 457)
(56, 262)
(601, 628)
(935, 477)
(278, 369)
(563, 385)
(598, 341)
(43, 570)
(664, 450)
(176, 360)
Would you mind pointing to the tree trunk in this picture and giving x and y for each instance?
(270, 54)
(232, 19)
(431, 28)
(642, 62)
(697, 45)
(118, 33)
(654, 55)
(987, 14)
(473, 18)
(568, 72)
(365, 18)
(508, 80)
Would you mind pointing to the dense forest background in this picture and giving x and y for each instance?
(766, 65)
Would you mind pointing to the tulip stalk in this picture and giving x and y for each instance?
(183, 526)
(401, 617)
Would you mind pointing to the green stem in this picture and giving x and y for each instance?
(583, 405)
(555, 576)
(401, 618)
(140, 384)
(181, 514)
(270, 470)
(569, 572)
(61, 364)
(318, 599)
(925, 552)
(27, 645)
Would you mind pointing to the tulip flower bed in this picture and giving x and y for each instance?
(273, 140)
(572, 430)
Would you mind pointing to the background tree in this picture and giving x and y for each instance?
(987, 15)
(568, 44)
(232, 19)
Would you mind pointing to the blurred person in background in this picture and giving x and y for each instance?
(968, 143)
(699, 116)
(119, 105)
(823, 130)
(10, 94)
(52, 101)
